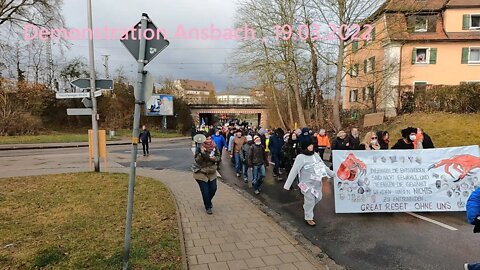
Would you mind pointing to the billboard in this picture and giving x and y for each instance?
(159, 105)
(427, 180)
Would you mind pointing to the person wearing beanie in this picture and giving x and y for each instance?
(245, 156)
(258, 160)
(205, 170)
(310, 169)
(323, 142)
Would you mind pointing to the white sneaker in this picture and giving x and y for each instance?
(238, 175)
(257, 192)
(465, 266)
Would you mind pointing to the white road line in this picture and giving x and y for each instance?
(432, 221)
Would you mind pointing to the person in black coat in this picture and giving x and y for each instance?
(408, 136)
(383, 139)
(353, 140)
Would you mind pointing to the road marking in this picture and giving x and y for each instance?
(432, 221)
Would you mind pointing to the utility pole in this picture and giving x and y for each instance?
(96, 159)
(105, 64)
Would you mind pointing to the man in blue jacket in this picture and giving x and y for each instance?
(144, 137)
(473, 216)
(219, 141)
(275, 145)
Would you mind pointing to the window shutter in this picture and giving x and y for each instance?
(466, 22)
(465, 52)
(373, 34)
(414, 56)
(373, 64)
(365, 66)
(433, 55)
(355, 46)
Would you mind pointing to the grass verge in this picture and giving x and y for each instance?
(76, 221)
(76, 137)
(445, 129)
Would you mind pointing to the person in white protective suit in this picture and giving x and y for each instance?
(310, 169)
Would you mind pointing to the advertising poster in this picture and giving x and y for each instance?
(427, 180)
(159, 105)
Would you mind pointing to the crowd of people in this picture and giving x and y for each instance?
(298, 154)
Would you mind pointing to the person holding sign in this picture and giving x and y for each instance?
(310, 169)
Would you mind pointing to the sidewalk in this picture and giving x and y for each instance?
(6, 147)
(237, 236)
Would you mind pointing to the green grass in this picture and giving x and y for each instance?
(57, 137)
(47, 138)
(76, 221)
(445, 129)
(154, 133)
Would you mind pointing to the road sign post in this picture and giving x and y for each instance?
(138, 48)
(96, 158)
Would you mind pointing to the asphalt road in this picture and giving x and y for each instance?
(356, 241)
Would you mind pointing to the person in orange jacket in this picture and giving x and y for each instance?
(323, 142)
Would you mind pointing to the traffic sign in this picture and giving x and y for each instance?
(71, 95)
(154, 46)
(87, 102)
(82, 111)
(147, 87)
(99, 84)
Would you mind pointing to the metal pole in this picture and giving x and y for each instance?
(136, 124)
(96, 159)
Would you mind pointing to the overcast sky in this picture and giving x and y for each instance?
(183, 59)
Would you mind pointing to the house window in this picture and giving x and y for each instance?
(475, 21)
(367, 93)
(354, 95)
(420, 86)
(421, 24)
(421, 56)
(474, 56)
(369, 65)
(354, 72)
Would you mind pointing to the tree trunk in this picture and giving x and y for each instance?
(271, 85)
(296, 87)
(288, 88)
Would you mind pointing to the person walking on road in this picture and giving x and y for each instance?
(219, 141)
(275, 145)
(205, 170)
(310, 169)
(259, 161)
(237, 144)
(245, 157)
(144, 137)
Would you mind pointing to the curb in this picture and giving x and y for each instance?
(80, 145)
(315, 254)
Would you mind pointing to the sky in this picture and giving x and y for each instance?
(182, 59)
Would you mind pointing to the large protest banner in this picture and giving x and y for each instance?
(427, 180)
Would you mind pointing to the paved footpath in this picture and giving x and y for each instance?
(237, 236)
